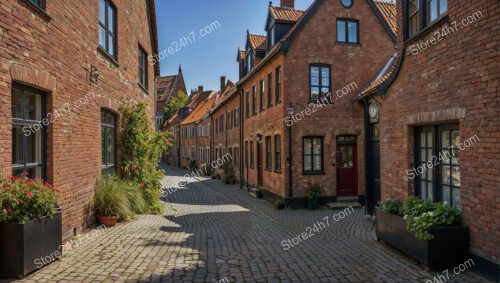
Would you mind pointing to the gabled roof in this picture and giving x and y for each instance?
(196, 98)
(284, 44)
(383, 79)
(285, 14)
(201, 110)
(172, 120)
(228, 91)
(257, 41)
(388, 11)
(164, 87)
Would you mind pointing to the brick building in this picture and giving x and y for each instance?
(166, 88)
(61, 84)
(187, 131)
(313, 61)
(226, 126)
(197, 128)
(437, 101)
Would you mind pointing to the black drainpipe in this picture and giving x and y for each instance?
(368, 162)
(290, 166)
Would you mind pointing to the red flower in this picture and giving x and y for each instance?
(142, 184)
(26, 173)
(21, 201)
(29, 195)
(133, 168)
(9, 185)
(14, 196)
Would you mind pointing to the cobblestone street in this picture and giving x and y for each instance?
(212, 232)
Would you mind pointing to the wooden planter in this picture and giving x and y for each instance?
(448, 248)
(27, 247)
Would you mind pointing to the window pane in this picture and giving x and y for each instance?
(111, 19)
(111, 147)
(446, 195)
(443, 7)
(414, 6)
(103, 146)
(455, 138)
(423, 137)
(456, 197)
(423, 188)
(455, 156)
(317, 163)
(446, 175)
(33, 106)
(34, 152)
(35, 172)
(316, 146)
(102, 37)
(430, 193)
(17, 145)
(307, 146)
(307, 163)
(325, 90)
(341, 31)
(445, 139)
(432, 9)
(315, 76)
(17, 103)
(314, 93)
(102, 11)
(430, 139)
(353, 32)
(111, 119)
(111, 45)
(455, 176)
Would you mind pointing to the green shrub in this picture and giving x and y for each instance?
(314, 192)
(391, 205)
(111, 198)
(137, 203)
(420, 215)
(141, 147)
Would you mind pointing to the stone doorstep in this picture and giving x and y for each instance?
(347, 199)
(342, 205)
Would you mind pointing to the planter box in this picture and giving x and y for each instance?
(27, 247)
(448, 248)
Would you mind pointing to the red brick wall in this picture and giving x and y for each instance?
(459, 72)
(316, 43)
(55, 55)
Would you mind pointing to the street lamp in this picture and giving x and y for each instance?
(289, 200)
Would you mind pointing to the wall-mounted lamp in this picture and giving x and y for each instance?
(94, 74)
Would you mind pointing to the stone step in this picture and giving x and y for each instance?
(347, 199)
(342, 205)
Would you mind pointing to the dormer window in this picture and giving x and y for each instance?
(272, 37)
(249, 61)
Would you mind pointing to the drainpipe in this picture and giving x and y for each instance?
(368, 161)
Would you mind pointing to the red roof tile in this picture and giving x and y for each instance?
(388, 11)
(200, 111)
(285, 14)
(257, 41)
(382, 76)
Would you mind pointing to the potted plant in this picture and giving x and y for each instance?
(279, 204)
(111, 200)
(431, 233)
(30, 225)
(258, 192)
(313, 195)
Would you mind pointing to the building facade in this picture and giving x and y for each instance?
(434, 117)
(300, 126)
(61, 85)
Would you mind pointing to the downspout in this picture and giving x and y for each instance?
(368, 158)
(290, 167)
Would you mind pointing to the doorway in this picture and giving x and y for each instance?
(347, 175)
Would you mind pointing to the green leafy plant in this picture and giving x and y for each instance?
(228, 176)
(391, 205)
(314, 192)
(420, 215)
(174, 103)
(23, 200)
(141, 147)
(112, 198)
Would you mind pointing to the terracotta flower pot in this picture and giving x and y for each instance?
(108, 221)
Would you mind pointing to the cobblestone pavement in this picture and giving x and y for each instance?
(217, 233)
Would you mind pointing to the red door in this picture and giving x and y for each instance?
(347, 179)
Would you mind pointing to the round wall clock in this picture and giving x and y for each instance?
(373, 110)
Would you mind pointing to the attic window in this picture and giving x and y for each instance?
(347, 3)
(161, 90)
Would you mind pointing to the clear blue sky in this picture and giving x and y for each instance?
(207, 58)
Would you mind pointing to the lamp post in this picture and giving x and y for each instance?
(289, 199)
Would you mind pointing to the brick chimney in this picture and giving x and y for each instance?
(222, 83)
(200, 88)
(287, 4)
